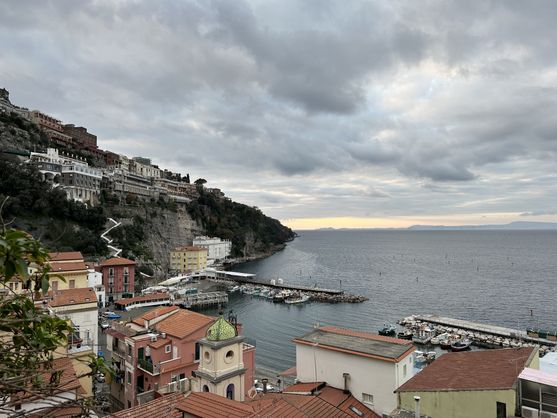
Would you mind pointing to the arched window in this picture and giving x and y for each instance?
(230, 391)
(205, 388)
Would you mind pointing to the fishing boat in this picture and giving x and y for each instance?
(297, 299)
(234, 288)
(405, 335)
(460, 345)
(446, 344)
(419, 358)
(388, 330)
(424, 335)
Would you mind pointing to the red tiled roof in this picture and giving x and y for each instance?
(117, 261)
(68, 380)
(72, 296)
(366, 335)
(57, 267)
(183, 323)
(66, 256)
(303, 387)
(64, 411)
(209, 405)
(326, 402)
(152, 314)
(145, 298)
(164, 407)
(475, 370)
(160, 342)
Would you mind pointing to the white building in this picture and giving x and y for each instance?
(81, 182)
(95, 280)
(370, 366)
(217, 249)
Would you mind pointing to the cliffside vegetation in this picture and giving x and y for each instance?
(247, 227)
(149, 230)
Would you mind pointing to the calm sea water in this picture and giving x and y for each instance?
(495, 277)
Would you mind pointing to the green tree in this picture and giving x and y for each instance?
(29, 335)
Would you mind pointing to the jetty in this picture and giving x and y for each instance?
(248, 278)
(202, 300)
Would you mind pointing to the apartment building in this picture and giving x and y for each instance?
(71, 266)
(52, 127)
(118, 275)
(159, 347)
(188, 259)
(217, 249)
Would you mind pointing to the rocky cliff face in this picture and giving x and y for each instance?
(163, 231)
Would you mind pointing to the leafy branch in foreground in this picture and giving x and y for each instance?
(29, 333)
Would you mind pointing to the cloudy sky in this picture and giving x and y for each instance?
(321, 113)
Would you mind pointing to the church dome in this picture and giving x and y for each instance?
(221, 330)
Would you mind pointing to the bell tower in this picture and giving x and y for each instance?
(221, 368)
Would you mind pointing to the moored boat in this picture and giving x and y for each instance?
(388, 330)
(460, 345)
(405, 335)
(298, 299)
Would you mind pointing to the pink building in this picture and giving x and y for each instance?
(118, 277)
(157, 348)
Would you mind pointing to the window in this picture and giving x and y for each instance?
(129, 378)
(55, 285)
(404, 370)
(167, 348)
(197, 352)
(129, 350)
(356, 411)
(367, 398)
(72, 284)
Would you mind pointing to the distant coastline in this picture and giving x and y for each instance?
(512, 226)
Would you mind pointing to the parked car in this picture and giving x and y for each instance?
(104, 325)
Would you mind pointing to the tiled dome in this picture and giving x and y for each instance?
(221, 330)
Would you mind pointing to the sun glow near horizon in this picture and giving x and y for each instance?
(407, 221)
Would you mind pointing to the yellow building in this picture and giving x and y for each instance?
(188, 259)
(71, 266)
(476, 384)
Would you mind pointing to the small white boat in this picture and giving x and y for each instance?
(295, 300)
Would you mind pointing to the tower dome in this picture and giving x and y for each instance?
(221, 330)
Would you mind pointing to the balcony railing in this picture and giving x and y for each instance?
(148, 366)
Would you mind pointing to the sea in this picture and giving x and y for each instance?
(506, 278)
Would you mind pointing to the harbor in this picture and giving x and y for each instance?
(459, 334)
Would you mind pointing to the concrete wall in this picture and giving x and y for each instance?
(374, 377)
(460, 404)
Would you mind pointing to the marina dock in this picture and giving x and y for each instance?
(484, 328)
(247, 278)
(202, 300)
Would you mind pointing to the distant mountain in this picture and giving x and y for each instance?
(518, 225)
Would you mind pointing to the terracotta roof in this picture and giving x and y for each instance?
(189, 248)
(68, 380)
(475, 370)
(66, 256)
(160, 342)
(209, 405)
(183, 323)
(326, 402)
(357, 343)
(152, 314)
(72, 296)
(164, 407)
(65, 411)
(145, 298)
(117, 261)
(57, 267)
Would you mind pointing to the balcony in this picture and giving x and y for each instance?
(147, 366)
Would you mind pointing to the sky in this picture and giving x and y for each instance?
(321, 113)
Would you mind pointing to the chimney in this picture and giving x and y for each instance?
(417, 399)
(264, 381)
(346, 377)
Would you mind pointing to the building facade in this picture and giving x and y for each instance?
(95, 281)
(369, 365)
(118, 275)
(475, 384)
(157, 348)
(188, 259)
(217, 249)
(71, 267)
(52, 127)
(77, 179)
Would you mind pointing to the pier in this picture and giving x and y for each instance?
(202, 300)
(247, 278)
(484, 329)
